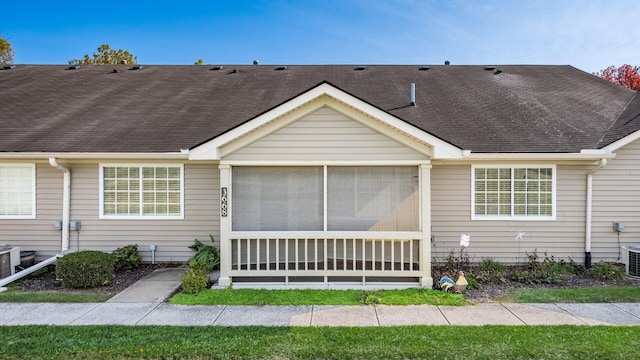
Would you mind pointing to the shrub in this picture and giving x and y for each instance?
(85, 269)
(126, 257)
(488, 271)
(194, 279)
(207, 256)
(608, 272)
(457, 260)
(538, 272)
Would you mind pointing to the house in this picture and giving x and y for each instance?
(319, 173)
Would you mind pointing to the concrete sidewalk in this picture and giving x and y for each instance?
(381, 315)
(143, 304)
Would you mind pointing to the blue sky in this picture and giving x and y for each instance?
(588, 34)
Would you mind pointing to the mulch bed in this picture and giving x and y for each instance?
(46, 280)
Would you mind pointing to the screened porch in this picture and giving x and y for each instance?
(325, 225)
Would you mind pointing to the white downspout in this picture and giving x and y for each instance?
(587, 243)
(66, 203)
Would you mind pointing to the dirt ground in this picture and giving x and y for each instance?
(46, 281)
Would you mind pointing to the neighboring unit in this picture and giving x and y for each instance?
(331, 174)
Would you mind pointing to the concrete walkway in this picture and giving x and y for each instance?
(143, 304)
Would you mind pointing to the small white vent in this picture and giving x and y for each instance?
(632, 260)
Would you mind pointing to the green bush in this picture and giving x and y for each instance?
(539, 272)
(126, 257)
(194, 279)
(207, 256)
(608, 272)
(85, 269)
(488, 271)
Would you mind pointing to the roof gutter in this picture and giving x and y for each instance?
(97, 155)
(66, 203)
(587, 243)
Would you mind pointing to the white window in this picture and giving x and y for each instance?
(518, 193)
(142, 191)
(367, 198)
(17, 191)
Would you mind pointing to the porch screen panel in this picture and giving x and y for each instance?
(277, 199)
(372, 199)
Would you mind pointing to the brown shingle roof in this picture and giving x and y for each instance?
(167, 108)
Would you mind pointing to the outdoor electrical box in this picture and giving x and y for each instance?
(58, 224)
(618, 226)
(74, 225)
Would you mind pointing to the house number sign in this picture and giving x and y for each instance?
(223, 202)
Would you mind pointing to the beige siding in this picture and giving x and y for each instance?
(39, 233)
(172, 237)
(616, 197)
(325, 135)
(451, 217)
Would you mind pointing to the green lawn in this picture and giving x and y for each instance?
(14, 294)
(451, 342)
(579, 295)
(318, 297)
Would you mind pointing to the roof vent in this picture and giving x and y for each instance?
(279, 68)
(137, 67)
(424, 68)
(489, 68)
(360, 68)
(234, 71)
(256, 62)
(447, 62)
(216, 68)
(9, 67)
(73, 67)
(497, 72)
(413, 95)
(114, 71)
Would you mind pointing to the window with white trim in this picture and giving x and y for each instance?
(18, 191)
(518, 193)
(142, 191)
(292, 198)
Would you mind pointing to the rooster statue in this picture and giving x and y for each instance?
(459, 286)
(446, 283)
(461, 283)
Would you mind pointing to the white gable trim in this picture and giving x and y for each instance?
(323, 95)
(614, 146)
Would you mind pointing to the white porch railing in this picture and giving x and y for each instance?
(318, 257)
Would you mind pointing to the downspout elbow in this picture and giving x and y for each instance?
(66, 202)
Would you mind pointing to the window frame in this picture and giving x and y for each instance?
(32, 166)
(140, 215)
(513, 216)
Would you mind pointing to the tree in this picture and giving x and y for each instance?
(6, 51)
(106, 56)
(199, 62)
(625, 75)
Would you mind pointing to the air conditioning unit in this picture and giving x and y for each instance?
(631, 259)
(9, 259)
